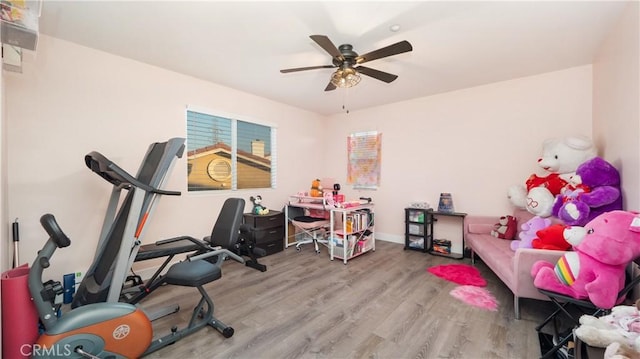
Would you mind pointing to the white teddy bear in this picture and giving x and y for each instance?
(619, 351)
(560, 158)
(621, 326)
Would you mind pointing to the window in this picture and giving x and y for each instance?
(229, 154)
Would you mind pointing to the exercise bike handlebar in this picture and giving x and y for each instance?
(115, 175)
(57, 239)
(48, 222)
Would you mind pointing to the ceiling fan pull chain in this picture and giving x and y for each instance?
(344, 100)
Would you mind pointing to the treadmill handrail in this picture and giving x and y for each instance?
(115, 175)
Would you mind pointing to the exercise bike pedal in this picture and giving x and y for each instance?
(84, 354)
(136, 280)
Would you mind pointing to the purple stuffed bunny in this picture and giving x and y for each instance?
(528, 232)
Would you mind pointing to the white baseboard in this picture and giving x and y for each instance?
(394, 238)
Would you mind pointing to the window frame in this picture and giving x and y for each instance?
(234, 119)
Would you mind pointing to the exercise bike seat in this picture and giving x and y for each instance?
(193, 274)
(196, 273)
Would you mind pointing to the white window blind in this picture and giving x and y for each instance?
(229, 154)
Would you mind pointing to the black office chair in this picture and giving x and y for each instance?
(583, 306)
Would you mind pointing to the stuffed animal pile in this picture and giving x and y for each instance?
(560, 159)
(593, 190)
(528, 232)
(595, 269)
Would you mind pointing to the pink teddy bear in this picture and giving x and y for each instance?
(595, 270)
(528, 232)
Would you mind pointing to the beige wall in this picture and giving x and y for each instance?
(72, 100)
(474, 143)
(616, 102)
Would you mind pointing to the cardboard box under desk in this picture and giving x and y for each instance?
(292, 234)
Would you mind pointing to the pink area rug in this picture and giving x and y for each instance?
(475, 296)
(462, 274)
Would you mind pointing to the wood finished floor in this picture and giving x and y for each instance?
(380, 305)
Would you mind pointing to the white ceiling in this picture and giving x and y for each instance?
(243, 45)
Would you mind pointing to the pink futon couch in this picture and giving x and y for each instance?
(512, 267)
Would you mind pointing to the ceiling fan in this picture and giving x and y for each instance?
(348, 62)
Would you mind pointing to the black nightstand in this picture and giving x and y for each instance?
(269, 230)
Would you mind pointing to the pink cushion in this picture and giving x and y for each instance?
(480, 228)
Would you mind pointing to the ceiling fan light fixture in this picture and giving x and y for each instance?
(344, 59)
(344, 78)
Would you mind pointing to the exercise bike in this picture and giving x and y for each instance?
(113, 330)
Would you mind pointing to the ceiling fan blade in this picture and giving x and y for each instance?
(397, 48)
(307, 68)
(328, 46)
(377, 74)
(330, 86)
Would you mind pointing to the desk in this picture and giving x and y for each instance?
(456, 248)
(351, 229)
(303, 202)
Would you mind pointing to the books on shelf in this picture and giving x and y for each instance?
(352, 232)
(442, 246)
(358, 221)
